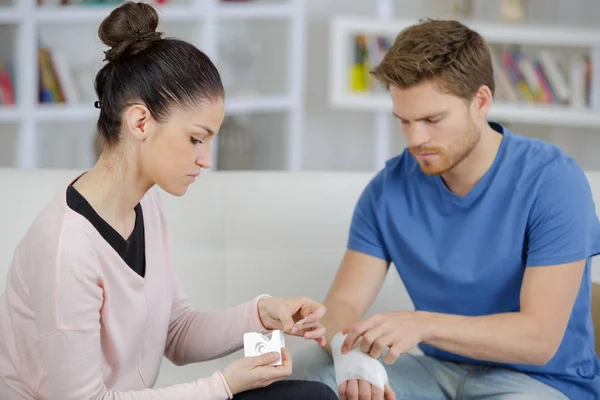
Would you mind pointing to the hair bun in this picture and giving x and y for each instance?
(129, 30)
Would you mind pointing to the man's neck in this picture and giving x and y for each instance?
(464, 176)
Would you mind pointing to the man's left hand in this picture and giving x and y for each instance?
(398, 331)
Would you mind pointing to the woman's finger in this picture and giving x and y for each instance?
(286, 359)
(285, 316)
(317, 332)
(278, 372)
(313, 312)
(261, 360)
(301, 329)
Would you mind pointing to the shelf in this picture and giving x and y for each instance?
(540, 35)
(543, 35)
(82, 112)
(65, 112)
(247, 105)
(262, 11)
(546, 115)
(275, 82)
(8, 15)
(9, 114)
(541, 114)
(81, 14)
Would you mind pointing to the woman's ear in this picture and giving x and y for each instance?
(137, 121)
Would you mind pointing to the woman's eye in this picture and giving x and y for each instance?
(195, 141)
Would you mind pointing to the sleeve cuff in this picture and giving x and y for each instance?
(556, 260)
(367, 249)
(255, 322)
(219, 375)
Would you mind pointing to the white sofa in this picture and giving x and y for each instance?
(235, 235)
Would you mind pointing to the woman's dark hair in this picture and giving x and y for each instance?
(145, 68)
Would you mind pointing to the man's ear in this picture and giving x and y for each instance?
(482, 102)
(137, 121)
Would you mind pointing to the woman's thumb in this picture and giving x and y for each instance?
(264, 359)
(287, 321)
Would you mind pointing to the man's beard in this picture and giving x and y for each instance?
(448, 159)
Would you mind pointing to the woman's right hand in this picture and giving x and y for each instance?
(255, 372)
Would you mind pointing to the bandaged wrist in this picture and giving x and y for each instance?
(356, 364)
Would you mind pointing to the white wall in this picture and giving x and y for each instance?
(342, 140)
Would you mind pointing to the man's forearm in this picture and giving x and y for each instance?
(508, 338)
(340, 315)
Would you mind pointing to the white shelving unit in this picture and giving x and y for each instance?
(73, 30)
(340, 96)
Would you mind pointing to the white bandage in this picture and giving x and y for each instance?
(356, 364)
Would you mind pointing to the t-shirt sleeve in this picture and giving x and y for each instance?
(563, 226)
(365, 232)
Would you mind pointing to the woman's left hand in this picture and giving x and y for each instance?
(297, 316)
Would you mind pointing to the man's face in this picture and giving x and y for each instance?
(438, 126)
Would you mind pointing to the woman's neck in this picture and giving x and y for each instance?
(113, 187)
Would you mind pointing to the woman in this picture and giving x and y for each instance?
(92, 302)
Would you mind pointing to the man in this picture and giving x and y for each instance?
(491, 232)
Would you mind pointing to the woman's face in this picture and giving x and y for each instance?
(175, 151)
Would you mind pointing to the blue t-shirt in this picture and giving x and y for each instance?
(467, 255)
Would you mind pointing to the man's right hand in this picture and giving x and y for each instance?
(358, 389)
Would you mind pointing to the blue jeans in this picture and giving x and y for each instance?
(418, 377)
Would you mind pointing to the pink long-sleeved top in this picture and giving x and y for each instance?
(77, 323)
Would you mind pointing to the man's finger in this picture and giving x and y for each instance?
(355, 332)
(342, 390)
(393, 353)
(380, 344)
(389, 393)
(352, 390)
(369, 338)
(364, 390)
(376, 393)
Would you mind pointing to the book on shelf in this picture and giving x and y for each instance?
(7, 89)
(546, 77)
(56, 84)
(368, 52)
